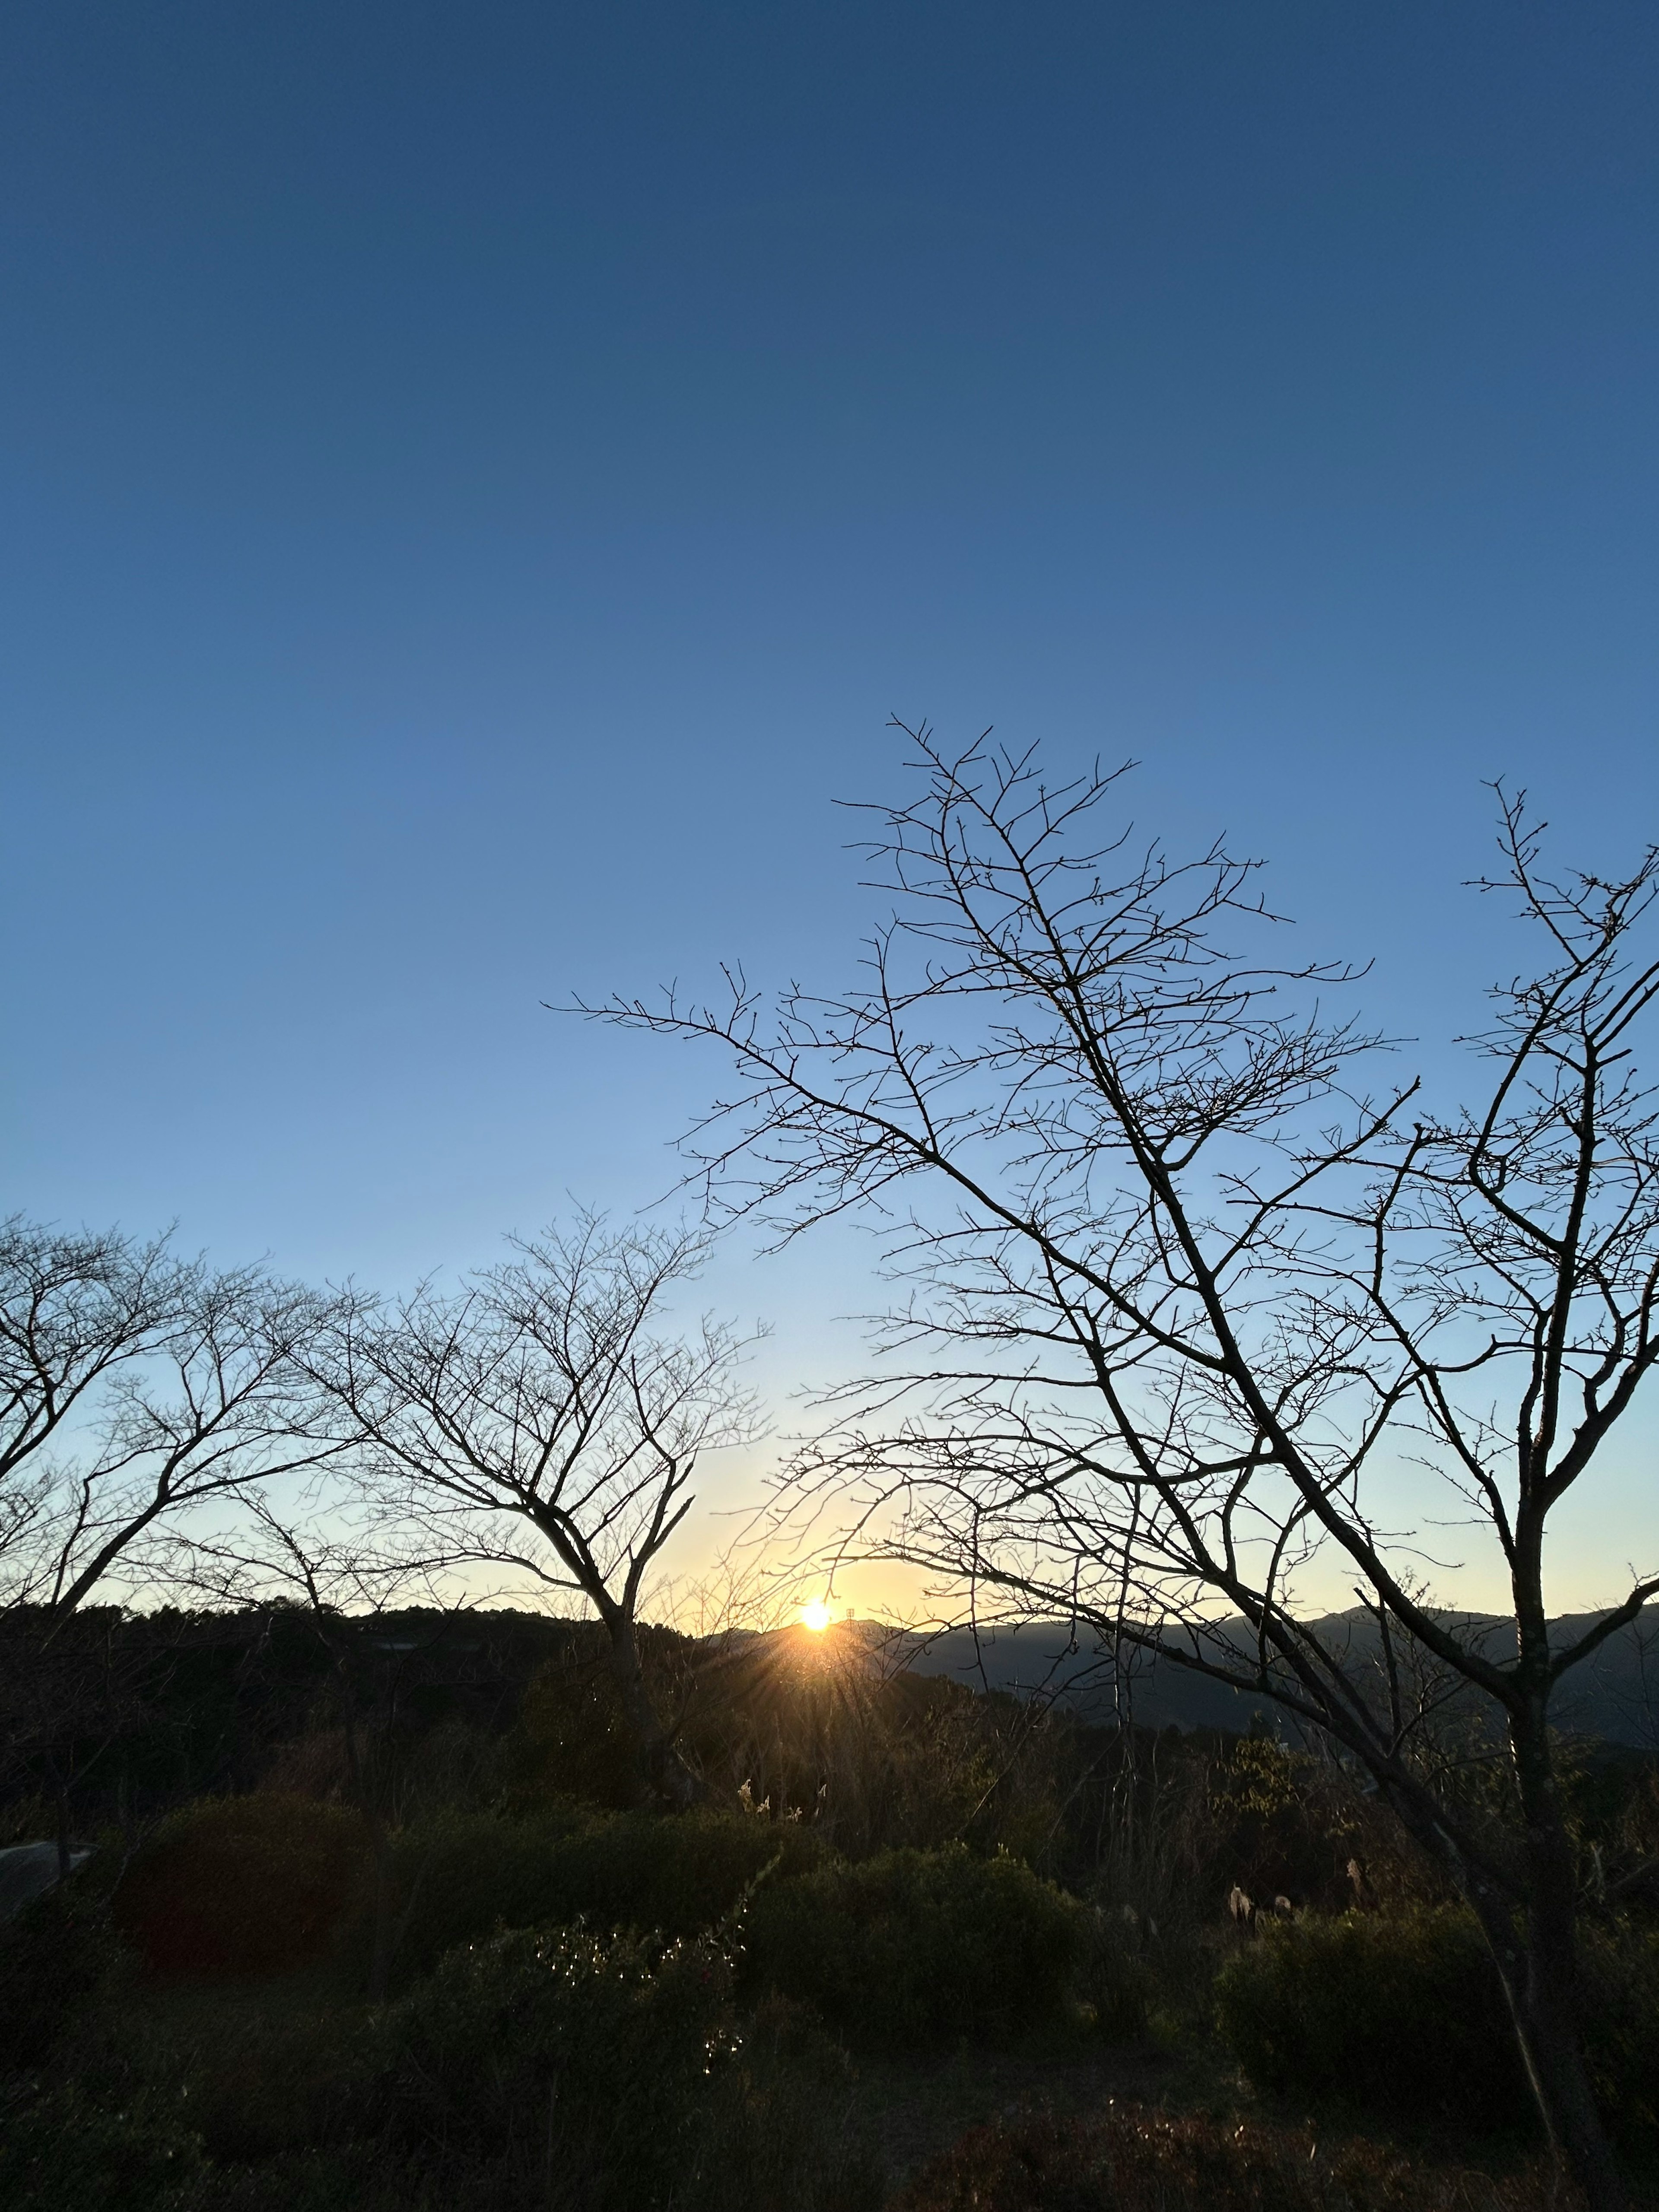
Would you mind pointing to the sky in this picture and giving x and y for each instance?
(476, 481)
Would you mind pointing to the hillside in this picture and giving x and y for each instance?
(1614, 1695)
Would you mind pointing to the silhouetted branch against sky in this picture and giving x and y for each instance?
(139, 1392)
(1215, 1286)
(544, 1410)
(1184, 1292)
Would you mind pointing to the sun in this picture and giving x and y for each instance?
(816, 1616)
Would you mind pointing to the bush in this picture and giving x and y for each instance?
(785, 2130)
(251, 1885)
(1399, 2015)
(581, 2057)
(60, 2147)
(1404, 2016)
(914, 1945)
(55, 1958)
(269, 2081)
(616, 2058)
(1139, 2161)
(1622, 1973)
(460, 1877)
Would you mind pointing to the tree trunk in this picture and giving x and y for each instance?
(1537, 1965)
(1539, 1969)
(1553, 2044)
(1543, 2001)
(663, 1777)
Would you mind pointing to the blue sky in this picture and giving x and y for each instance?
(477, 479)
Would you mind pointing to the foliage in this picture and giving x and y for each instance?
(833, 1727)
(1621, 1971)
(572, 1737)
(784, 2129)
(582, 2054)
(826, 1728)
(1269, 1833)
(55, 1957)
(241, 1885)
(910, 1946)
(1134, 2161)
(264, 2081)
(621, 2058)
(599, 2071)
(302, 2099)
(1401, 2014)
(59, 2146)
(460, 1876)
(1114, 1976)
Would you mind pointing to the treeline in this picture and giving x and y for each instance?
(118, 1719)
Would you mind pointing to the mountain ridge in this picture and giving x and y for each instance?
(1613, 1694)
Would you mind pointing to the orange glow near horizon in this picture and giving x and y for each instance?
(816, 1616)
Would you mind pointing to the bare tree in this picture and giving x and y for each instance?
(140, 1391)
(141, 1396)
(75, 1308)
(536, 1420)
(1184, 1298)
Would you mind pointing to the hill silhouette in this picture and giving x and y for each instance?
(1614, 1695)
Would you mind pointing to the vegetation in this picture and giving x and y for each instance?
(1188, 1269)
(460, 1876)
(1146, 2162)
(403, 1901)
(1403, 2016)
(956, 1945)
(234, 1886)
(736, 2006)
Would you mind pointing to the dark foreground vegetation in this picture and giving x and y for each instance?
(374, 1920)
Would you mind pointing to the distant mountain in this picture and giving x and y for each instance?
(1614, 1695)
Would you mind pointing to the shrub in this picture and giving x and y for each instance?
(615, 2058)
(460, 1877)
(241, 1885)
(1404, 2014)
(784, 2128)
(55, 1958)
(1621, 1973)
(1398, 2015)
(1137, 2162)
(585, 2058)
(60, 2147)
(913, 1945)
(1114, 1977)
(269, 2081)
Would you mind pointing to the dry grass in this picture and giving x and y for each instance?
(1131, 2158)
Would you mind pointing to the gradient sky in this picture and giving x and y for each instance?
(477, 479)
